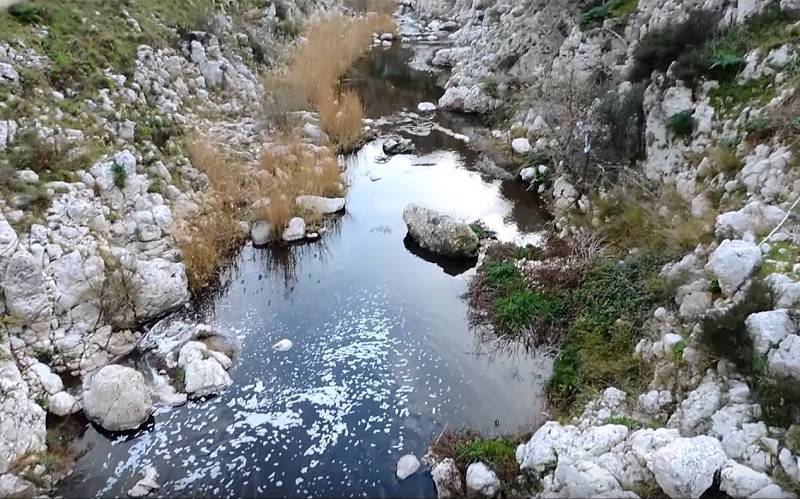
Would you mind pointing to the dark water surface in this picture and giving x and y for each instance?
(383, 355)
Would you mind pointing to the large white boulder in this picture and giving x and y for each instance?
(732, 263)
(586, 479)
(755, 217)
(741, 482)
(25, 289)
(686, 467)
(482, 480)
(117, 398)
(407, 466)
(784, 361)
(447, 479)
(440, 233)
(768, 329)
(160, 286)
(325, 206)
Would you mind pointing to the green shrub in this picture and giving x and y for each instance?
(681, 124)
(520, 308)
(610, 9)
(627, 421)
(119, 175)
(661, 47)
(489, 87)
(619, 136)
(28, 14)
(758, 127)
(724, 335)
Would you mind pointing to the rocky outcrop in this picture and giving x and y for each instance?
(22, 421)
(117, 398)
(440, 233)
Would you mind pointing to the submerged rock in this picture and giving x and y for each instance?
(407, 466)
(397, 145)
(282, 345)
(325, 206)
(296, 230)
(147, 484)
(426, 107)
(440, 233)
(482, 480)
(117, 398)
(447, 479)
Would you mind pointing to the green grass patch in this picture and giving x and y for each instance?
(119, 175)
(682, 124)
(617, 9)
(626, 421)
(615, 298)
(493, 452)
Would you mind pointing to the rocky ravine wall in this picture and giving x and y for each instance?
(101, 259)
(713, 430)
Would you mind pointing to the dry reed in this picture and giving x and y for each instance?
(311, 81)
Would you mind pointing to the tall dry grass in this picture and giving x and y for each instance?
(208, 240)
(333, 44)
(291, 168)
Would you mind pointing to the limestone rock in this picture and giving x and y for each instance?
(324, 206)
(732, 263)
(117, 398)
(262, 232)
(440, 233)
(63, 404)
(407, 466)
(206, 377)
(160, 286)
(785, 360)
(147, 484)
(686, 467)
(447, 479)
(741, 482)
(296, 230)
(768, 329)
(521, 145)
(482, 480)
(22, 421)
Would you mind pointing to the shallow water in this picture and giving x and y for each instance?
(383, 355)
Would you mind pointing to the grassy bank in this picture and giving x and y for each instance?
(578, 296)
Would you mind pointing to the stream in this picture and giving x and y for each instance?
(383, 354)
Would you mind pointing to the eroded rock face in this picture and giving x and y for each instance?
(22, 421)
(440, 233)
(117, 398)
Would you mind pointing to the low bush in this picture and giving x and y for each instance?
(661, 47)
(610, 9)
(615, 298)
(341, 121)
(682, 124)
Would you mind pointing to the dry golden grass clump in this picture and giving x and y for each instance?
(311, 81)
(208, 240)
(291, 168)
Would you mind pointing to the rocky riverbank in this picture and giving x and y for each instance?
(664, 129)
(100, 196)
